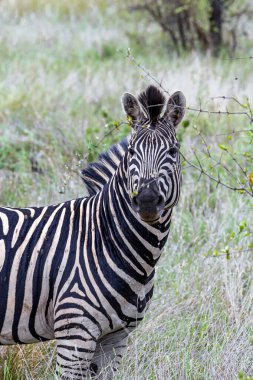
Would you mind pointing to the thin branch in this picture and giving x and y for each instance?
(199, 110)
(216, 180)
(237, 58)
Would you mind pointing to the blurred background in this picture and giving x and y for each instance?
(63, 68)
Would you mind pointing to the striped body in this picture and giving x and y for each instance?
(82, 272)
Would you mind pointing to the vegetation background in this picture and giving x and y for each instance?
(63, 68)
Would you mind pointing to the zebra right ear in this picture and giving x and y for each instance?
(131, 106)
(175, 109)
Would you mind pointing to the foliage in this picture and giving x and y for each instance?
(231, 165)
(114, 131)
(203, 25)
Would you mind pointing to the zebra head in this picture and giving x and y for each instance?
(154, 170)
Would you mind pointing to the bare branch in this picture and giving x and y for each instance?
(199, 110)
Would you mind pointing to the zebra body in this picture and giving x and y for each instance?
(82, 272)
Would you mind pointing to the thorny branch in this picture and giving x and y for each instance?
(246, 187)
(149, 75)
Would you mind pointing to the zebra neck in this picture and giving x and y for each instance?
(130, 237)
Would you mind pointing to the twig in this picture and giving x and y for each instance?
(216, 180)
(199, 110)
(237, 58)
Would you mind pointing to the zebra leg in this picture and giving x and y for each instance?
(74, 358)
(76, 344)
(108, 354)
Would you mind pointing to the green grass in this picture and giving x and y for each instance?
(63, 71)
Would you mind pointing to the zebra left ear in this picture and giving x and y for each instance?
(131, 106)
(175, 109)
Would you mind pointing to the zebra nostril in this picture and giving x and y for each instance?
(135, 203)
(160, 201)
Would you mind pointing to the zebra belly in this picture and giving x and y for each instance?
(26, 312)
(27, 329)
(26, 283)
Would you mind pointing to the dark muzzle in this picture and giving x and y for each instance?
(149, 202)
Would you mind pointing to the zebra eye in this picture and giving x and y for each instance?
(173, 152)
(131, 151)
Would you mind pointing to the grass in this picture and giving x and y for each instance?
(63, 71)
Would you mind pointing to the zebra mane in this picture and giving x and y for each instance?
(152, 101)
(97, 174)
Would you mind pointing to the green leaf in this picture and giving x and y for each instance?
(232, 235)
(105, 114)
(222, 147)
(134, 193)
(250, 177)
(242, 226)
(181, 9)
(185, 123)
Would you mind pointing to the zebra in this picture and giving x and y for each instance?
(82, 272)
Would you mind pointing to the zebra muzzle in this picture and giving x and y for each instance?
(149, 204)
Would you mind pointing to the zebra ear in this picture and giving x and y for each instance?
(131, 106)
(175, 109)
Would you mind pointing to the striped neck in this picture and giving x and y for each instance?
(132, 237)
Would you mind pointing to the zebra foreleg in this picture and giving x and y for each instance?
(108, 354)
(74, 358)
(77, 337)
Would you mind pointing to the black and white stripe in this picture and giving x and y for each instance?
(82, 272)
